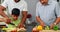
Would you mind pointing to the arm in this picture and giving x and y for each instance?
(2, 12)
(57, 13)
(57, 20)
(24, 13)
(38, 16)
(40, 21)
(6, 18)
(55, 23)
(24, 16)
(3, 6)
(2, 19)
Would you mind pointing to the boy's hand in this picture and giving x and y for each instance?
(8, 20)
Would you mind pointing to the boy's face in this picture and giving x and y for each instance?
(44, 2)
(15, 17)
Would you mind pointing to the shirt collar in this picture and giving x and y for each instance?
(49, 2)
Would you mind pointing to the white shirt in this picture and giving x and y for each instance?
(48, 13)
(22, 5)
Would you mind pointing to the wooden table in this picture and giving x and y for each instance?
(49, 31)
(16, 29)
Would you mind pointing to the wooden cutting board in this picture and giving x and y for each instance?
(18, 30)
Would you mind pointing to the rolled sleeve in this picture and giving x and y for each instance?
(57, 10)
(4, 4)
(25, 7)
(37, 10)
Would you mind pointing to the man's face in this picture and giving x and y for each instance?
(44, 2)
(16, 0)
(14, 17)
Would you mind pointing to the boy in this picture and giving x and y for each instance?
(15, 20)
(14, 17)
(11, 4)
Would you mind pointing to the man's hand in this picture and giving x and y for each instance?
(21, 25)
(24, 17)
(55, 23)
(40, 21)
(35, 29)
(42, 24)
(51, 26)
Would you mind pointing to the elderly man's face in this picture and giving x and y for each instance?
(44, 2)
(16, 0)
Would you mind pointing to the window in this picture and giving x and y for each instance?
(1, 1)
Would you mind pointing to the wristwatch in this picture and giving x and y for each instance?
(55, 23)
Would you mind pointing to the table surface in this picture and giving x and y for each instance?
(41, 31)
(50, 31)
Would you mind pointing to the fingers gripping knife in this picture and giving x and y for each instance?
(13, 24)
(19, 29)
(3, 25)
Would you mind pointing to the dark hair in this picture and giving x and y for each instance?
(16, 12)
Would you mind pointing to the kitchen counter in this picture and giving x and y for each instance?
(50, 31)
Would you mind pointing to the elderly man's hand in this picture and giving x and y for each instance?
(42, 24)
(35, 29)
(51, 26)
